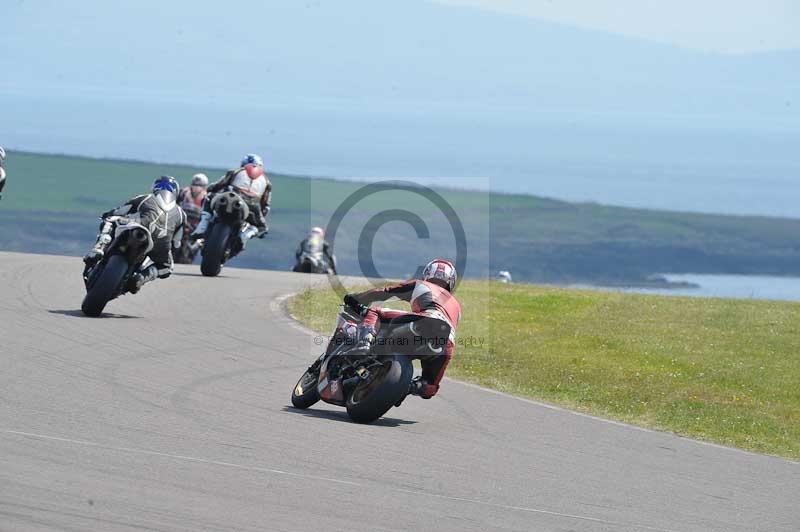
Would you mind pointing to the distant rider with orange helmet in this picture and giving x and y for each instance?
(255, 188)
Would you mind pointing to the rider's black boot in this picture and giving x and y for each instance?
(141, 277)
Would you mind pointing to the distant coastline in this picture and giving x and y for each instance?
(52, 201)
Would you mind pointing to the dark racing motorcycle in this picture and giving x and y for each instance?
(188, 250)
(222, 241)
(108, 278)
(313, 261)
(368, 383)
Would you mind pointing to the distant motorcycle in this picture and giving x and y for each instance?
(188, 250)
(222, 242)
(369, 383)
(313, 262)
(126, 254)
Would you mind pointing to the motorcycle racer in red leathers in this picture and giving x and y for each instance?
(430, 297)
(191, 198)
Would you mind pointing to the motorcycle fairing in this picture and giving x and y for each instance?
(330, 390)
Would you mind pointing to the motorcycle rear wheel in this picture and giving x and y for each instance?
(374, 397)
(214, 250)
(106, 287)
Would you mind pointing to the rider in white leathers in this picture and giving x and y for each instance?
(255, 188)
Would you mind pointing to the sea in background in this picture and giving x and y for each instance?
(648, 161)
(724, 286)
(724, 168)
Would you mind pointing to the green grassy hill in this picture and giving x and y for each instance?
(51, 202)
(720, 370)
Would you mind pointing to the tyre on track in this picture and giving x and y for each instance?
(214, 250)
(106, 287)
(365, 406)
(305, 392)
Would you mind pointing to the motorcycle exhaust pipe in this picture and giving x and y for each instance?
(139, 236)
(352, 381)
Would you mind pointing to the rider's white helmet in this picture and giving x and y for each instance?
(317, 231)
(199, 180)
(2, 154)
(442, 272)
(504, 276)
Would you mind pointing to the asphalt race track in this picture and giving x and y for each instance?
(172, 413)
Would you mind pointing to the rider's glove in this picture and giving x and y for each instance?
(351, 301)
(115, 218)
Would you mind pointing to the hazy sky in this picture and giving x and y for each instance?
(731, 26)
(422, 88)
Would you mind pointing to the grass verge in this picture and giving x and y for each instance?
(720, 370)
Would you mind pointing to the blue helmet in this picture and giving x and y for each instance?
(252, 158)
(166, 182)
(165, 191)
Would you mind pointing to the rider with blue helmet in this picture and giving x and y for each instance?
(161, 215)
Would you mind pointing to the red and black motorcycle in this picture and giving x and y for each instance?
(368, 383)
(193, 208)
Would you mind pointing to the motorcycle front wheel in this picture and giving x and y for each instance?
(305, 392)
